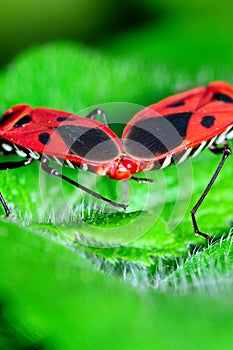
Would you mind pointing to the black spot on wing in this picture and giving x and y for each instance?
(22, 121)
(176, 104)
(223, 97)
(208, 121)
(44, 138)
(62, 119)
(152, 137)
(93, 144)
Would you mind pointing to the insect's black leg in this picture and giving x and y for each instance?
(226, 153)
(217, 150)
(12, 165)
(96, 113)
(139, 180)
(45, 166)
(4, 205)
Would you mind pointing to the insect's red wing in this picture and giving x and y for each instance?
(179, 122)
(214, 114)
(60, 134)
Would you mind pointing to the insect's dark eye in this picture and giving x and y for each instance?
(22, 121)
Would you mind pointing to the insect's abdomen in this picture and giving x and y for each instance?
(10, 148)
(193, 151)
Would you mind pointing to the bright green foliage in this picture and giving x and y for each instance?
(51, 295)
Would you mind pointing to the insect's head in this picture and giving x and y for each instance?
(122, 168)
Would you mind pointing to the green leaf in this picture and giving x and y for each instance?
(54, 299)
(51, 295)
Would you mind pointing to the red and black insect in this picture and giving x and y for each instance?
(167, 132)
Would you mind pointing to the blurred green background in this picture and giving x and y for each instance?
(28, 22)
(180, 33)
(71, 55)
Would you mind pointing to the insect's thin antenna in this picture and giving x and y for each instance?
(54, 172)
(139, 180)
(226, 154)
(96, 113)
